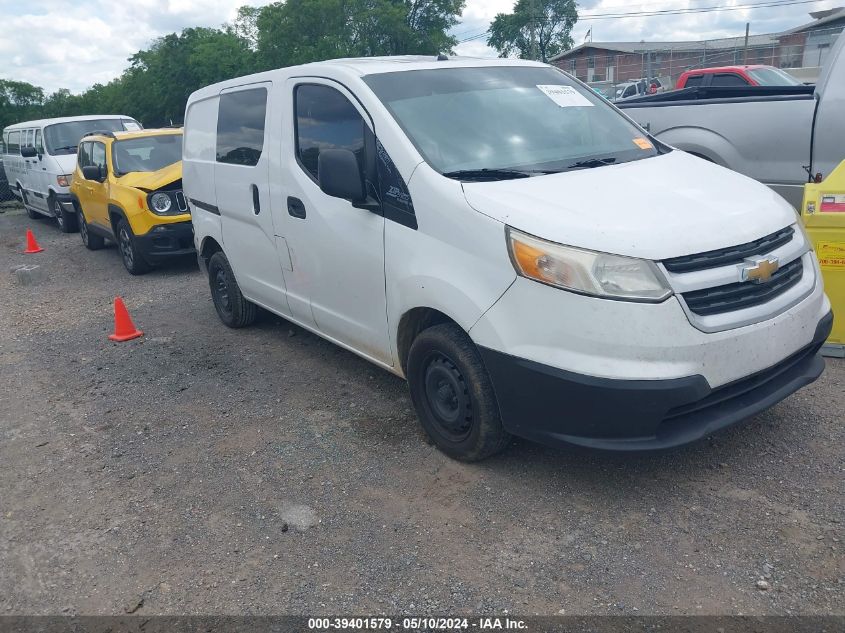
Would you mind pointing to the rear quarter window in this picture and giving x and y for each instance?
(200, 137)
(694, 80)
(240, 126)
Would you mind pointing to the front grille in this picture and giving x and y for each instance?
(729, 255)
(180, 202)
(744, 294)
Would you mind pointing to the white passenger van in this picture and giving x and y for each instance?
(527, 257)
(40, 157)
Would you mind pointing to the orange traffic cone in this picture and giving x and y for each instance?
(124, 329)
(31, 245)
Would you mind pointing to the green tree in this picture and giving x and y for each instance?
(19, 101)
(537, 29)
(301, 31)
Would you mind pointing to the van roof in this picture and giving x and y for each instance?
(64, 119)
(362, 66)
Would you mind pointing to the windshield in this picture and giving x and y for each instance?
(148, 153)
(527, 118)
(773, 77)
(63, 138)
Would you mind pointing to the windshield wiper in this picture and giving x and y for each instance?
(591, 163)
(487, 174)
(73, 147)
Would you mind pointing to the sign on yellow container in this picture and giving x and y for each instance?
(823, 213)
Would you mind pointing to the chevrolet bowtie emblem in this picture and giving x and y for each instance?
(760, 269)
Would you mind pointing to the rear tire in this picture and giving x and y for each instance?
(64, 220)
(91, 241)
(133, 261)
(453, 394)
(233, 309)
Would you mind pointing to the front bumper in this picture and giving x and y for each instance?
(65, 202)
(554, 406)
(166, 240)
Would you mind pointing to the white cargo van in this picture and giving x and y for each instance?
(525, 255)
(40, 157)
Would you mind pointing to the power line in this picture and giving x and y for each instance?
(683, 11)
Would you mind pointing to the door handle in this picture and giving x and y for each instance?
(296, 208)
(256, 201)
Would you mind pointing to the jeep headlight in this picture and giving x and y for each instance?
(587, 272)
(160, 203)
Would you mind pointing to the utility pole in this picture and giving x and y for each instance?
(745, 54)
(534, 54)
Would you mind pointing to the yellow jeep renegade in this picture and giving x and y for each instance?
(127, 187)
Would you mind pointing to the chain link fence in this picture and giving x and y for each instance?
(7, 198)
(606, 65)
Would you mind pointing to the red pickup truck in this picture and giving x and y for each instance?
(756, 75)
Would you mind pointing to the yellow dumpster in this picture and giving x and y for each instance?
(823, 213)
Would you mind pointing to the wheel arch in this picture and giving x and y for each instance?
(116, 214)
(413, 322)
(208, 247)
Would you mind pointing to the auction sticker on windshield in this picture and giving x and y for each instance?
(565, 96)
(643, 143)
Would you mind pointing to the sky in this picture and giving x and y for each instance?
(76, 43)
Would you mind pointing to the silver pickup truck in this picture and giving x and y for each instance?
(780, 135)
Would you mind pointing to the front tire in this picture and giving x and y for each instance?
(133, 261)
(91, 241)
(64, 220)
(233, 309)
(453, 395)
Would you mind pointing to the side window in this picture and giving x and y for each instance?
(240, 126)
(28, 138)
(84, 158)
(694, 80)
(325, 119)
(201, 130)
(15, 142)
(725, 79)
(39, 145)
(98, 155)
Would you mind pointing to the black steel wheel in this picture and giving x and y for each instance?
(453, 394)
(233, 309)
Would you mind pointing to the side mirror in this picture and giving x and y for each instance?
(92, 172)
(28, 151)
(340, 175)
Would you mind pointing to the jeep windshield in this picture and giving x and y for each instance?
(498, 122)
(63, 138)
(148, 153)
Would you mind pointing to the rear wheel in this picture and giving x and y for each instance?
(91, 241)
(453, 394)
(232, 308)
(133, 261)
(64, 220)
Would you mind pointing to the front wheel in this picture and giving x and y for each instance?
(453, 394)
(232, 308)
(64, 220)
(133, 261)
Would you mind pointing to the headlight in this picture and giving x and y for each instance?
(64, 180)
(160, 202)
(587, 272)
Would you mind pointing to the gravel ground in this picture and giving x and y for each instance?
(202, 470)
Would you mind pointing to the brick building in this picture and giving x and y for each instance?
(616, 62)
